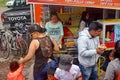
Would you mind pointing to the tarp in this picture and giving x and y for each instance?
(112, 4)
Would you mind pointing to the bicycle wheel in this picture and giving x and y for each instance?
(15, 47)
(5, 48)
(23, 47)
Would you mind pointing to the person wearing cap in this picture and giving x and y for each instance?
(67, 70)
(41, 46)
(89, 50)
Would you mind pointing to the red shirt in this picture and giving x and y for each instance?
(51, 77)
(16, 75)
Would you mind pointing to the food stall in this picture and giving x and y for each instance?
(110, 32)
(70, 11)
(109, 36)
(70, 29)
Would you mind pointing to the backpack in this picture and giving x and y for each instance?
(46, 46)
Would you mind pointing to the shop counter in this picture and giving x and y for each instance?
(109, 49)
(60, 52)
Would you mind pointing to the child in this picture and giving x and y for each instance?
(111, 55)
(15, 72)
(50, 74)
(67, 70)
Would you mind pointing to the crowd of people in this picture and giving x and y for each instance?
(47, 38)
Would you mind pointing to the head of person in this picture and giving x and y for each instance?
(50, 73)
(36, 30)
(117, 50)
(85, 16)
(95, 29)
(65, 62)
(111, 55)
(54, 17)
(14, 65)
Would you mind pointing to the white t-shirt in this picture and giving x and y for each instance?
(65, 75)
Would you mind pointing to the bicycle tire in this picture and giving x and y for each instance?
(5, 48)
(23, 48)
(15, 47)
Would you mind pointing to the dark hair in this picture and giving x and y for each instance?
(53, 13)
(51, 71)
(36, 27)
(83, 17)
(95, 26)
(117, 50)
(14, 66)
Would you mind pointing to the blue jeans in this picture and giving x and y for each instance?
(88, 73)
(42, 75)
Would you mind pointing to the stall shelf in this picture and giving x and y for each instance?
(109, 44)
(105, 22)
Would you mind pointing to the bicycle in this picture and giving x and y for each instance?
(12, 42)
(4, 44)
(18, 44)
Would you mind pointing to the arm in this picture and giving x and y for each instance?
(60, 40)
(87, 47)
(83, 48)
(32, 48)
(82, 25)
(56, 47)
(61, 33)
(20, 68)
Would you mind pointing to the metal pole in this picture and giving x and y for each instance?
(31, 12)
(117, 14)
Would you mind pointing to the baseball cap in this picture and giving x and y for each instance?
(65, 61)
(36, 28)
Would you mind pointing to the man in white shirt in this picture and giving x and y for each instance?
(67, 70)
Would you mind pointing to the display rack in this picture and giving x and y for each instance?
(106, 22)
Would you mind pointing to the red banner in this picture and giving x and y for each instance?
(113, 4)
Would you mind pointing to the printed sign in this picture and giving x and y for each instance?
(113, 4)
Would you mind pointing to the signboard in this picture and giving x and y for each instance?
(113, 4)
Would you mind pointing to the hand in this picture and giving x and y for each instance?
(102, 46)
(60, 42)
(100, 50)
(20, 60)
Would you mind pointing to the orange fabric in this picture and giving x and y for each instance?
(119, 76)
(38, 12)
(52, 78)
(17, 75)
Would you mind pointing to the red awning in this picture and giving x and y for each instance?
(111, 4)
